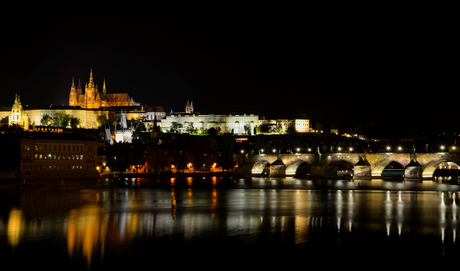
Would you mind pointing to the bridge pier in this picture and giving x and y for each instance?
(362, 169)
(413, 171)
(318, 170)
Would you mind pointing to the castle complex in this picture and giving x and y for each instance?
(89, 104)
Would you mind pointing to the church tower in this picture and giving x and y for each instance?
(73, 95)
(18, 115)
(91, 92)
(103, 100)
(189, 107)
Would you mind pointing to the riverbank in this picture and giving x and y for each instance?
(103, 182)
(169, 174)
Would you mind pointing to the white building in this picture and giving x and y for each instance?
(189, 120)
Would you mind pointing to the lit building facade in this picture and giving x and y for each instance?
(18, 115)
(232, 123)
(54, 158)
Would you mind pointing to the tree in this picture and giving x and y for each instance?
(226, 151)
(46, 120)
(75, 122)
(263, 128)
(61, 119)
(102, 120)
(156, 157)
(118, 158)
(174, 126)
(190, 128)
(138, 126)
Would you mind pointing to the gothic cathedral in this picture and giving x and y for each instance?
(93, 99)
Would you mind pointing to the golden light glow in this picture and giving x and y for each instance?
(14, 227)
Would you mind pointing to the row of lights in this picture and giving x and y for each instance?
(349, 149)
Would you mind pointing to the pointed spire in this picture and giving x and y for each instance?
(79, 90)
(91, 82)
(73, 84)
(103, 87)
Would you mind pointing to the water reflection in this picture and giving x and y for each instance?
(100, 224)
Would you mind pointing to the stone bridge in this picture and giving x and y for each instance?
(361, 165)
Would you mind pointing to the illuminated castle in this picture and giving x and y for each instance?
(93, 99)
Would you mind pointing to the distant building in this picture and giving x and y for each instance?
(56, 156)
(302, 125)
(123, 134)
(191, 120)
(281, 126)
(18, 115)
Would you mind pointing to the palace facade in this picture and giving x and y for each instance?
(190, 120)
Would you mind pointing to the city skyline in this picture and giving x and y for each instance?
(331, 65)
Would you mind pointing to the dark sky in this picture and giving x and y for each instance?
(332, 63)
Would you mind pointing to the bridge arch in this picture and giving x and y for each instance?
(379, 167)
(294, 167)
(429, 170)
(336, 165)
(259, 167)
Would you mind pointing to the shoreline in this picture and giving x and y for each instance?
(75, 184)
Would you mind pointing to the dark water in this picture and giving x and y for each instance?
(220, 223)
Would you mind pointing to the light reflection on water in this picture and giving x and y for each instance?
(305, 215)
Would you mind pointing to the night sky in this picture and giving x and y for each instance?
(332, 63)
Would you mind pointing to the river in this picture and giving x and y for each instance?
(217, 222)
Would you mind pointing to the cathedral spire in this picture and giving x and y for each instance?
(91, 82)
(103, 87)
(79, 89)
